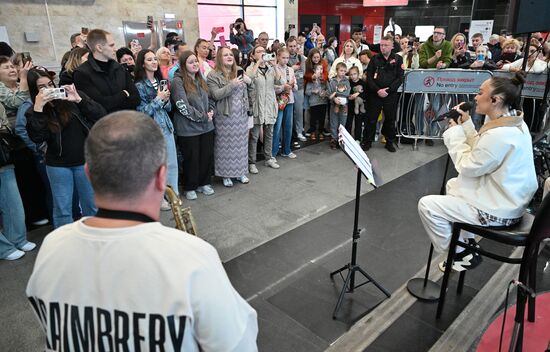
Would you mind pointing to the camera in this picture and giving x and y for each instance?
(56, 93)
(268, 57)
(238, 26)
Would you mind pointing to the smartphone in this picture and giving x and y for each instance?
(417, 40)
(163, 84)
(56, 93)
(291, 26)
(149, 22)
(268, 57)
(480, 57)
(314, 25)
(26, 57)
(135, 41)
(220, 29)
(84, 30)
(240, 72)
(222, 40)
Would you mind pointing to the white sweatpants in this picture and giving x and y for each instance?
(438, 213)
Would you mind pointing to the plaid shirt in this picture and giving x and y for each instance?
(12, 100)
(490, 220)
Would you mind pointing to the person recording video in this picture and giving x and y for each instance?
(241, 36)
(496, 174)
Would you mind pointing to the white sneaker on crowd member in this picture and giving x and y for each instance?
(296, 145)
(191, 195)
(227, 182)
(252, 169)
(207, 190)
(301, 137)
(291, 155)
(165, 205)
(272, 163)
(243, 179)
(41, 222)
(27, 247)
(15, 255)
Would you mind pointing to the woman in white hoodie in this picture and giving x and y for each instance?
(496, 178)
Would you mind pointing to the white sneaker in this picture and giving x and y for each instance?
(15, 255)
(301, 137)
(41, 222)
(291, 155)
(272, 163)
(191, 195)
(243, 179)
(252, 169)
(27, 247)
(207, 190)
(227, 182)
(164, 206)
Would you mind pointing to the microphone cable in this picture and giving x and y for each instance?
(504, 317)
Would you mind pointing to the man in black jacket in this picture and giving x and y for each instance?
(384, 76)
(102, 78)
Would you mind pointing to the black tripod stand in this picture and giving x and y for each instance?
(352, 267)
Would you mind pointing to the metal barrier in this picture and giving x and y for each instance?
(428, 93)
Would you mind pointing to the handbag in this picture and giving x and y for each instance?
(8, 142)
(283, 98)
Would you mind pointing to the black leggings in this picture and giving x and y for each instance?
(198, 159)
(317, 117)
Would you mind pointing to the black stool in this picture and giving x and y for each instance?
(528, 233)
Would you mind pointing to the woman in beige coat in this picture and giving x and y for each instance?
(263, 105)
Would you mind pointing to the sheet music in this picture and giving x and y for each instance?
(354, 151)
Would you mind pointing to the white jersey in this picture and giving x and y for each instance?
(138, 288)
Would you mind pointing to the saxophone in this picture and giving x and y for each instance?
(183, 216)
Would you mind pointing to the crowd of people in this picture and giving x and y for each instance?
(214, 106)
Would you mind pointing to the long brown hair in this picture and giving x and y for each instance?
(75, 59)
(62, 108)
(221, 68)
(188, 82)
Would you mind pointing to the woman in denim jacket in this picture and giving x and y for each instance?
(155, 102)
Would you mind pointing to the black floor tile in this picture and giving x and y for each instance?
(279, 332)
(311, 299)
(406, 334)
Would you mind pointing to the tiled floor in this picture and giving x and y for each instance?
(239, 220)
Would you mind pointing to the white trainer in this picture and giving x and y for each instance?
(15, 255)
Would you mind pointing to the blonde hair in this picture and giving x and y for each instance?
(75, 59)
(220, 67)
(352, 42)
(513, 42)
(455, 36)
(160, 51)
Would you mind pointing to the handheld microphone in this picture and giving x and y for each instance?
(525, 288)
(453, 114)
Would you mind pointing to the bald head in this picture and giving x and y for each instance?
(124, 151)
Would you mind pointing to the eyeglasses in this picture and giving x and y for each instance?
(439, 33)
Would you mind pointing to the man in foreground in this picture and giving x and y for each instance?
(122, 281)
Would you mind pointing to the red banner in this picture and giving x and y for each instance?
(370, 3)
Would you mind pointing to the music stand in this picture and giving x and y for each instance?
(364, 167)
(425, 288)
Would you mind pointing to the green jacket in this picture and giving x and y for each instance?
(427, 50)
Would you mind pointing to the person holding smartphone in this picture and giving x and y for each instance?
(241, 36)
(193, 119)
(63, 123)
(155, 102)
(229, 92)
(461, 55)
(263, 105)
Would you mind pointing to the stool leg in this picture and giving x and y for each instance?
(533, 285)
(460, 285)
(448, 268)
